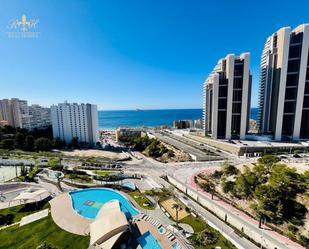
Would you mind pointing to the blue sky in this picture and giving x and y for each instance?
(133, 54)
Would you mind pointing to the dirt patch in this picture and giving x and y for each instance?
(168, 206)
(95, 153)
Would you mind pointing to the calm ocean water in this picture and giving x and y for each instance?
(132, 118)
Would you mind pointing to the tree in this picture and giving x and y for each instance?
(245, 184)
(43, 144)
(29, 143)
(229, 169)
(19, 142)
(58, 143)
(74, 143)
(199, 239)
(286, 180)
(227, 186)
(177, 207)
(269, 161)
(7, 144)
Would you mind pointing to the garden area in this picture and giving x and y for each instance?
(141, 200)
(269, 191)
(161, 152)
(38, 232)
(205, 237)
(14, 214)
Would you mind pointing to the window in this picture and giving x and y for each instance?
(222, 104)
(291, 93)
(237, 83)
(293, 66)
(289, 107)
(222, 91)
(295, 51)
(292, 79)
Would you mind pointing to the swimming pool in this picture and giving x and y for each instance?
(88, 202)
(148, 241)
(176, 246)
(129, 185)
(162, 230)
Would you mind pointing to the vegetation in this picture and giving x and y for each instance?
(35, 140)
(275, 192)
(159, 194)
(151, 147)
(22, 139)
(36, 233)
(46, 245)
(103, 173)
(141, 200)
(205, 237)
(28, 175)
(177, 207)
(78, 178)
(14, 214)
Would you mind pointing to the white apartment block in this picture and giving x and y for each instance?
(284, 84)
(227, 96)
(16, 112)
(75, 120)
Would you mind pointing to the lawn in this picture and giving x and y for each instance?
(34, 234)
(14, 214)
(78, 178)
(200, 225)
(103, 173)
(197, 224)
(141, 200)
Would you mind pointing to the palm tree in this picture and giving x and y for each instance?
(199, 238)
(177, 207)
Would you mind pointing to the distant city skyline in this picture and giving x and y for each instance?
(146, 54)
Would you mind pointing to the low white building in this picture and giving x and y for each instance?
(75, 120)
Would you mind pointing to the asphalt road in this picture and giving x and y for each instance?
(183, 172)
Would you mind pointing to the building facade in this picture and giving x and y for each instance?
(40, 117)
(16, 112)
(284, 85)
(182, 124)
(227, 96)
(75, 120)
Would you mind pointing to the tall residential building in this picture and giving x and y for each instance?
(20, 113)
(16, 112)
(227, 96)
(284, 84)
(6, 112)
(74, 120)
(40, 117)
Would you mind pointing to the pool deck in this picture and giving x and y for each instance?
(164, 242)
(65, 216)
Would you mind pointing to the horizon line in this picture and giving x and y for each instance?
(158, 109)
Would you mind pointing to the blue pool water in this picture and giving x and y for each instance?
(88, 202)
(129, 185)
(162, 230)
(147, 241)
(176, 246)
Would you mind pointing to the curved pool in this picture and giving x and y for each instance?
(88, 202)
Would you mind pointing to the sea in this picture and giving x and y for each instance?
(109, 120)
